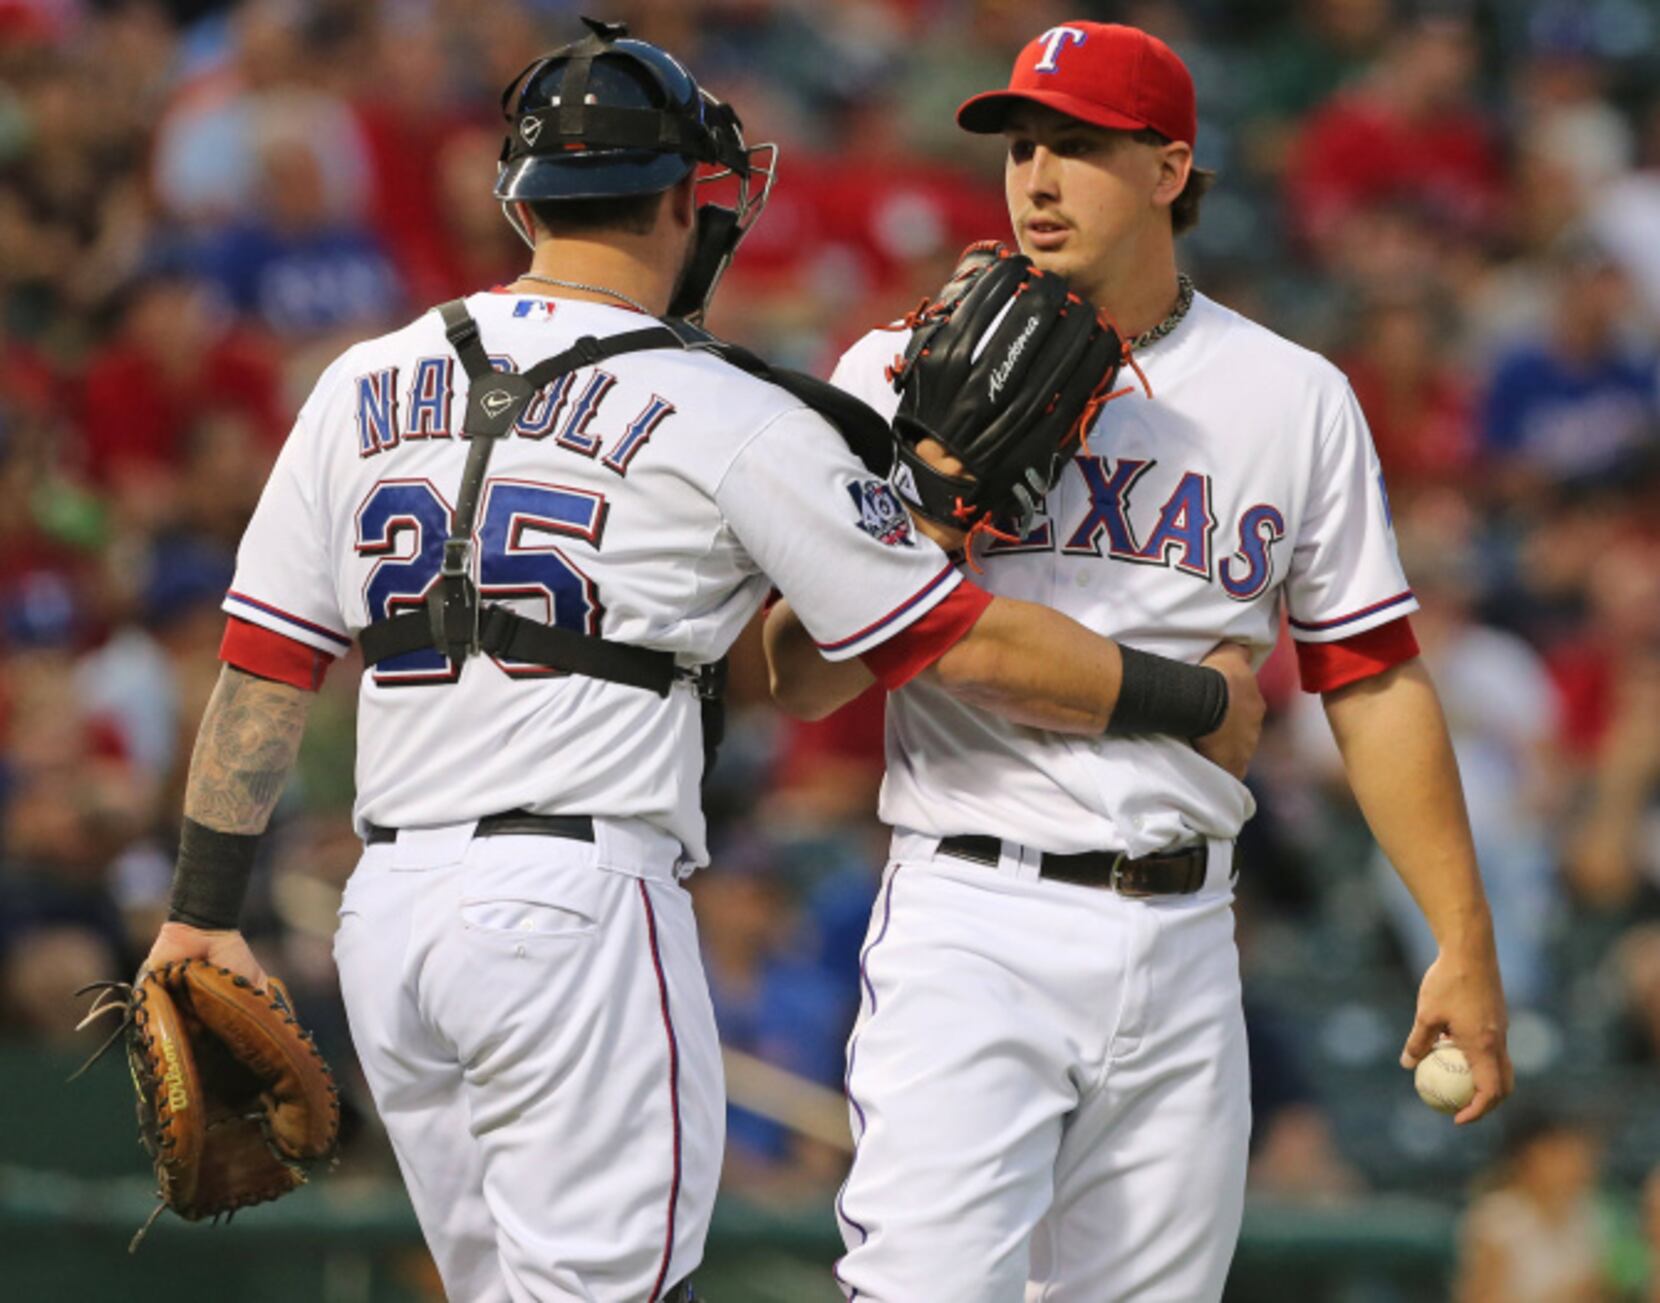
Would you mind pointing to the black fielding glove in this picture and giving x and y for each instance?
(1006, 369)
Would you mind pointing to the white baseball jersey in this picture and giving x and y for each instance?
(649, 499)
(1247, 484)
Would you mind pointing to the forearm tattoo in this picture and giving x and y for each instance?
(245, 749)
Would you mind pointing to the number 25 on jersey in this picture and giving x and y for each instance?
(402, 524)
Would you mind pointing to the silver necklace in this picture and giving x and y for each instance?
(1184, 301)
(587, 289)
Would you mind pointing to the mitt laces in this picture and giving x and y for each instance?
(112, 997)
(1101, 396)
(115, 997)
(1103, 392)
(1126, 357)
(929, 308)
(161, 1207)
(926, 310)
(983, 528)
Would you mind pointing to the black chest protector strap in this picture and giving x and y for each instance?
(459, 625)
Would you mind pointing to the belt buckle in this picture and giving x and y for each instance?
(1116, 880)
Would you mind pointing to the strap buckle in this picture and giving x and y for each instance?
(453, 605)
(708, 680)
(462, 333)
(1115, 875)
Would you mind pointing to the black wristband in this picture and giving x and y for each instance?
(1159, 695)
(210, 880)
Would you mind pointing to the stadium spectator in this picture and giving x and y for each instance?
(1577, 401)
(301, 264)
(1300, 64)
(1534, 1235)
(172, 359)
(244, 76)
(1625, 214)
(1417, 403)
(1295, 1157)
(1408, 130)
(772, 1004)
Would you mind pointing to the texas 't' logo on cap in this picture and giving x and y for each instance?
(1054, 41)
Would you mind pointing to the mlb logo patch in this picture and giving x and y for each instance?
(881, 514)
(541, 309)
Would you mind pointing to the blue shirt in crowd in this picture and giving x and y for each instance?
(1570, 419)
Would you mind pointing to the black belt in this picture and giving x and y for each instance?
(1167, 873)
(514, 823)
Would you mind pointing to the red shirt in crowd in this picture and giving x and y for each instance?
(1429, 438)
(135, 413)
(1357, 153)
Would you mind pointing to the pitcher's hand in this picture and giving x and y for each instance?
(1461, 997)
(1234, 744)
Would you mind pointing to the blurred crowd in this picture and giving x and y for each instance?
(201, 203)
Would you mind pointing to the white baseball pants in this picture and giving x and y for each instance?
(1049, 1089)
(533, 1019)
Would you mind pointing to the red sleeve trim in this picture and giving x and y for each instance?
(256, 650)
(1325, 666)
(918, 645)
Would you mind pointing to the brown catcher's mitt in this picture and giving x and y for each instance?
(233, 1098)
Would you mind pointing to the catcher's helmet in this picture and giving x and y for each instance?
(609, 116)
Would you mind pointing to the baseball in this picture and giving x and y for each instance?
(1443, 1078)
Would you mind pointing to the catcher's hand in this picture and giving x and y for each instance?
(233, 1098)
(178, 941)
(949, 537)
(1005, 372)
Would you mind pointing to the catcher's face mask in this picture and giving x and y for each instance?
(721, 227)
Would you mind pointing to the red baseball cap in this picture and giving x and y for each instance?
(1103, 73)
